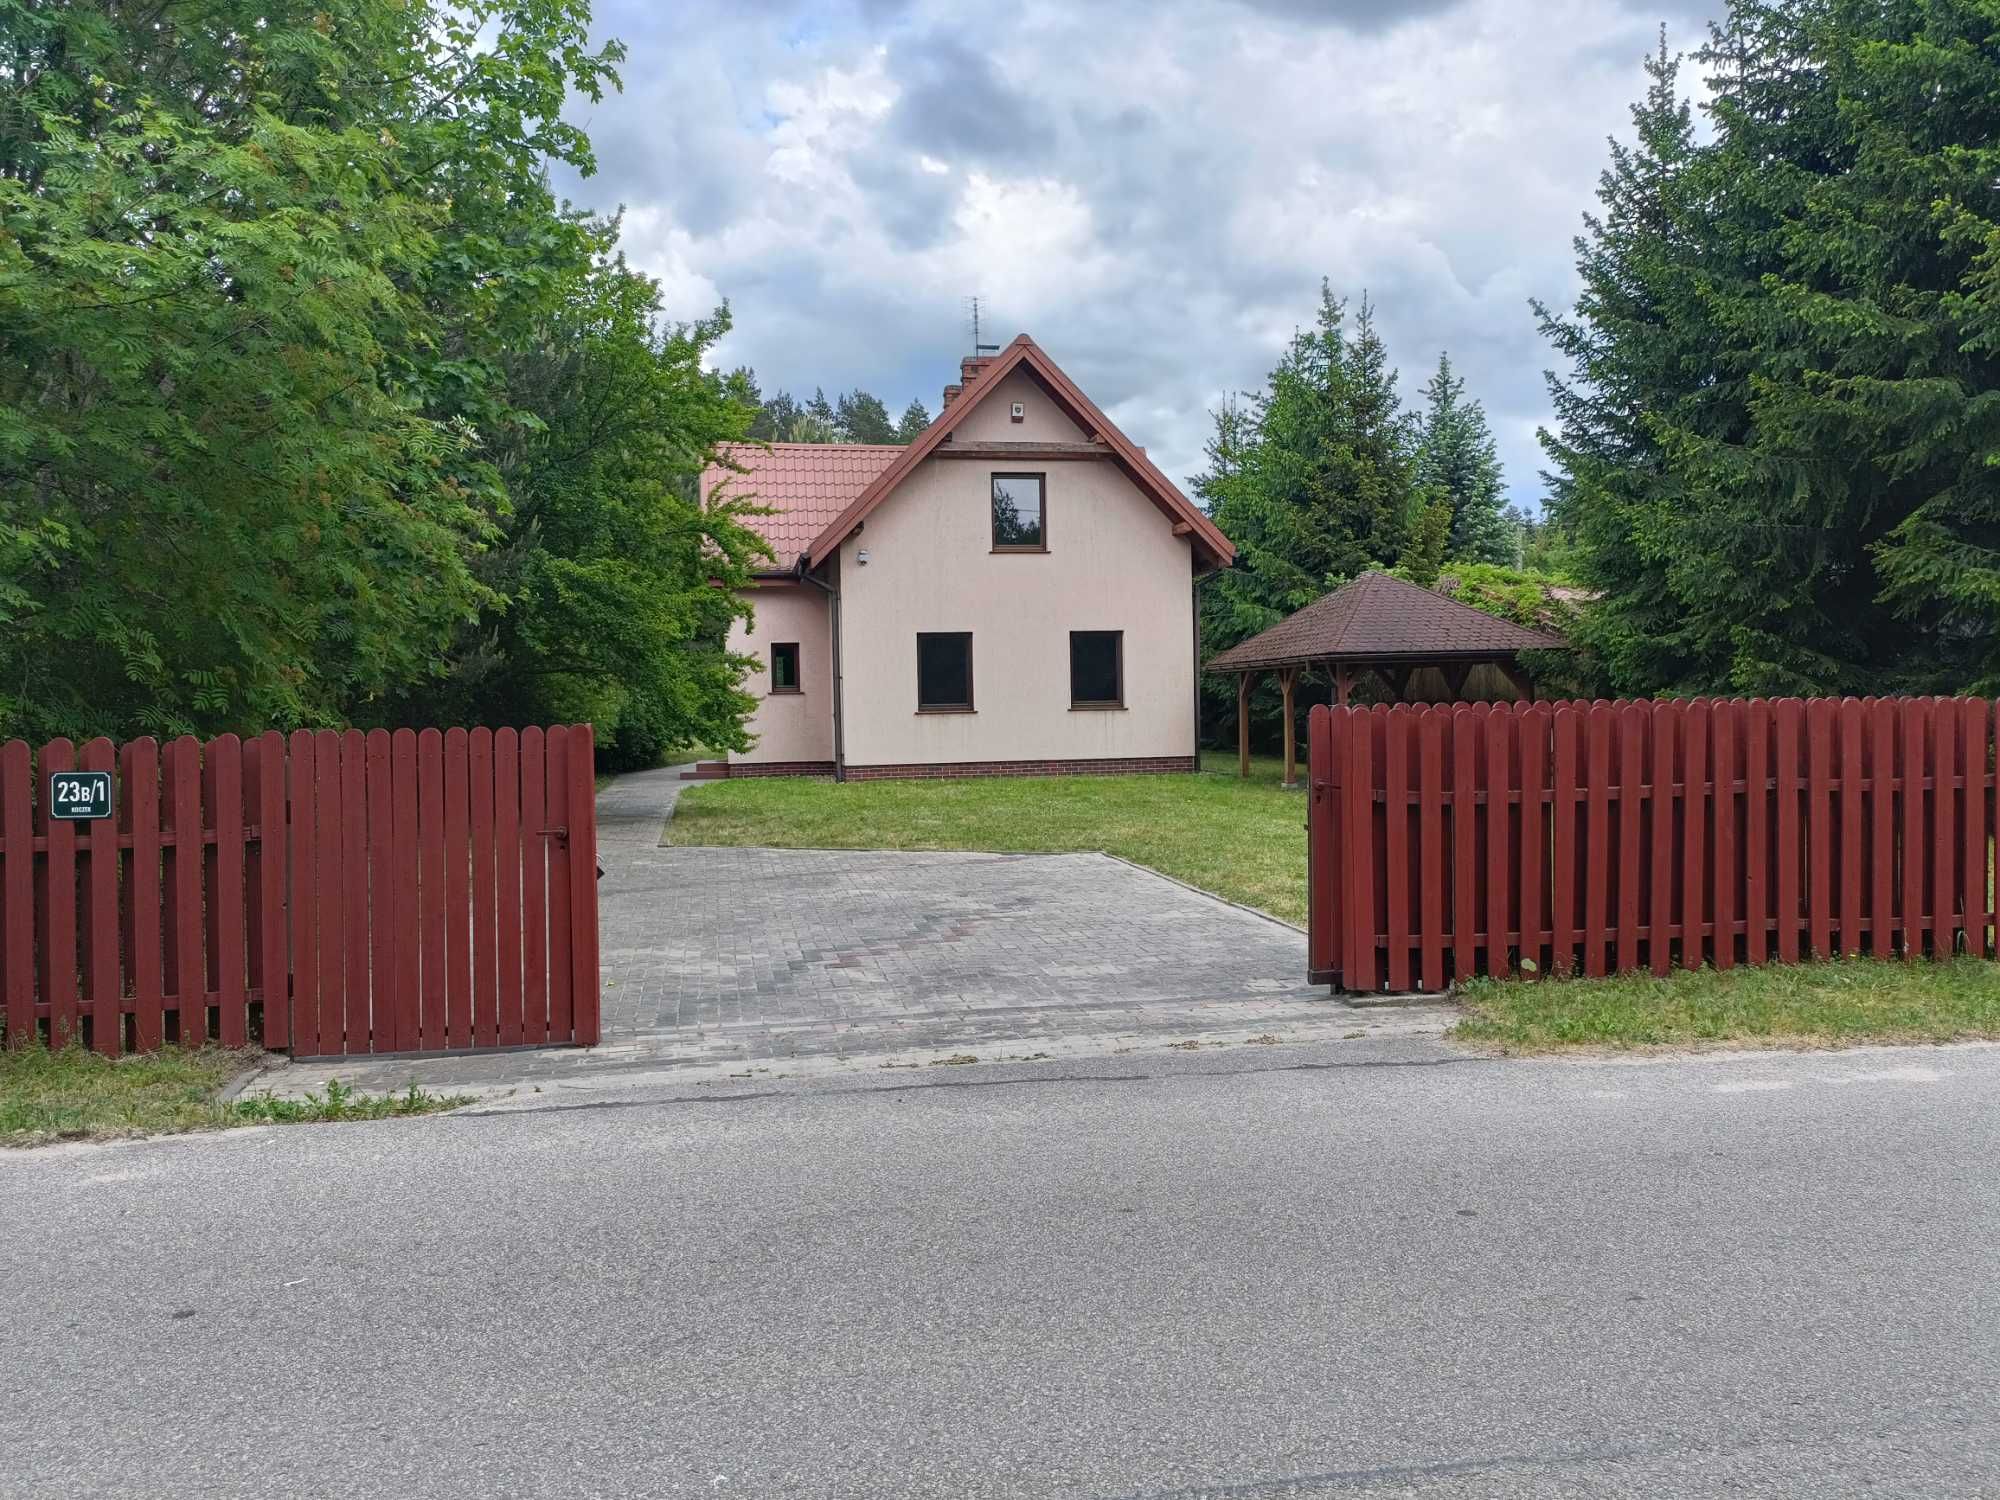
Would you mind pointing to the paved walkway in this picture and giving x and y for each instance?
(723, 963)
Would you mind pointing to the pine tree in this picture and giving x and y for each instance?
(914, 420)
(1458, 460)
(862, 418)
(821, 410)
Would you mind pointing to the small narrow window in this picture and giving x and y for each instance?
(1019, 513)
(1097, 669)
(785, 667)
(944, 672)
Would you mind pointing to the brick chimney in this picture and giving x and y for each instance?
(951, 393)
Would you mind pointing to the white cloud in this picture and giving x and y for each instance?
(1152, 189)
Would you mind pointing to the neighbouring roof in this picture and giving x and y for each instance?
(983, 378)
(804, 485)
(1379, 618)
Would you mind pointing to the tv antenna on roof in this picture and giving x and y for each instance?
(972, 304)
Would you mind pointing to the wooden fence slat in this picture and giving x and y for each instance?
(1944, 828)
(433, 898)
(104, 982)
(485, 937)
(534, 887)
(17, 891)
(1915, 767)
(1431, 727)
(1790, 740)
(1501, 731)
(384, 1016)
(406, 985)
(1757, 832)
(1631, 725)
(184, 859)
(354, 1010)
(55, 900)
(1882, 924)
(273, 927)
(1992, 718)
(507, 878)
(1598, 726)
(1975, 882)
(1467, 754)
(1822, 844)
(1567, 727)
(1852, 717)
(1725, 721)
(1396, 806)
(585, 996)
(222, 795)
(330, 888)
(1666, 731)
(1694, 832)
(458, 887)
(555, 764)
(139, 822)
(1534, 732)
(302, 795)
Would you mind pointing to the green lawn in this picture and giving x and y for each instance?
(1243, 840)
(1817, 1004)
(78, 1095)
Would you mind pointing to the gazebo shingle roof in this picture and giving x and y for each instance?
(1379, 618)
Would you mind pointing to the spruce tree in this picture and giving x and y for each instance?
(1458, 460)
(914, 420)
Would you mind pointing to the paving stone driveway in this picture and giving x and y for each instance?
(722, 962)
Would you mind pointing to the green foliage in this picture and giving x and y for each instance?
(912, 423)
(1423, 553)
(1315, 480)
(294, 342)
(863, 418)
(1540, 601)
(1778, 433)
(1458, 459)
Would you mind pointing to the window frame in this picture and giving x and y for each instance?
(1098, 705)
(992, 521)
(798, 674)
(945, 708)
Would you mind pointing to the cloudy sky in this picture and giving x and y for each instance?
(1151, 188)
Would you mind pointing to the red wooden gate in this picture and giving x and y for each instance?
(329, 893)
(1599, 838)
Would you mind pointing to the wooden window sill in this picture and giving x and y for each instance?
(963, 709)
(786, 693)
(1097, 708)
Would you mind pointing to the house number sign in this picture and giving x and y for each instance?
(78, 796)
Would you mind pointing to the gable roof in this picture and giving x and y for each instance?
(1024, 353)
(1375, 618)
(804, 485)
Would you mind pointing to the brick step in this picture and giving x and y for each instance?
(707, 770)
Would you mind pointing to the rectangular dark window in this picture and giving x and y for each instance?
(1097, 668)
(785, 667)
(1019, 513)
(944, 672)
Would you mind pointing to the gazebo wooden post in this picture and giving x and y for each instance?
(1522, 683)
(1286, 677)
(1343, 683)
(1243, 726)
(1454, 680)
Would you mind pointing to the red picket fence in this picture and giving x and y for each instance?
(1600, 838)
(328, 893)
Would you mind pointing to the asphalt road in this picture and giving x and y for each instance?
(1365, 1270)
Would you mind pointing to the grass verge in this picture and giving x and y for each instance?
(1243, 840)
(77, 1095)
(1840, 1003)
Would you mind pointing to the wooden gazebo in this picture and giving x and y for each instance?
(1382, 625)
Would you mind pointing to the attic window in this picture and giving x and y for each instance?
(1019, 513)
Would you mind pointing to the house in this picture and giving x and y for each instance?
(1012, 594)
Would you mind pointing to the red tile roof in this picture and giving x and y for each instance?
(804, 485)
(983, 377)
(1376, 617)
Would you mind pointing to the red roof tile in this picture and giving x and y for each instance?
(804, 485)
(1376, 617)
